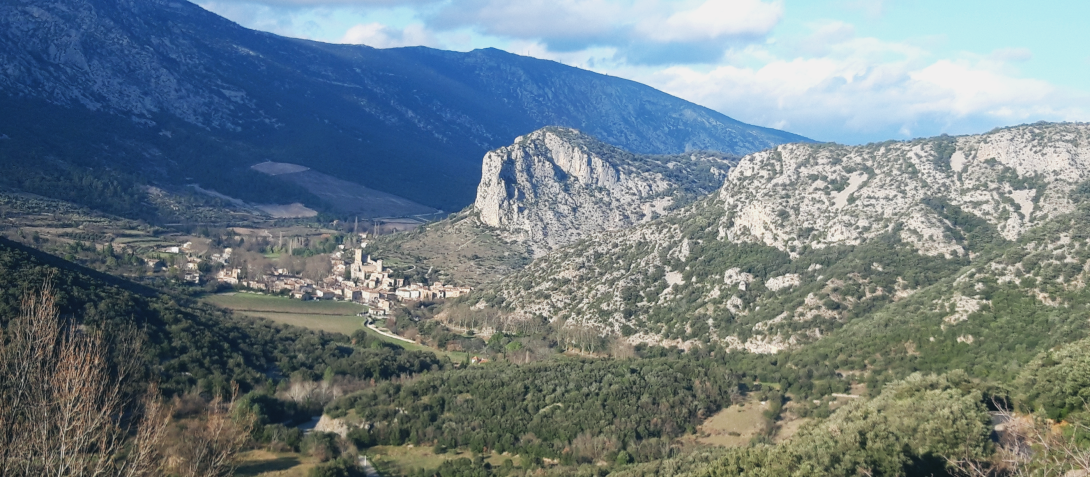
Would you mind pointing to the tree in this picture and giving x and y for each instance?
(317, 267)
(63, 405)
(207, 446)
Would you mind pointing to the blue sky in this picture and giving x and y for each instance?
(850, 71)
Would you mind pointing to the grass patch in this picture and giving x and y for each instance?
(734, 426)
(264, 463)
(403, 460)
(332, 324)
(330, 316)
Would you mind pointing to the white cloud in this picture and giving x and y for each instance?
(824, 36)
(715, 19)
(872, 8)
(865, 89)
(647, 31)
(571, 20)
(591, 58)
(381, 36)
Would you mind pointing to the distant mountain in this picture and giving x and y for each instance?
(915, 251)
(164, 90)
(556, 185)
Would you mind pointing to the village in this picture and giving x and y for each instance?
(360, 280)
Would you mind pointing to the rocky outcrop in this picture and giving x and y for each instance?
(1013, 179)
(803, 240)
(555, 186)
(330, 425)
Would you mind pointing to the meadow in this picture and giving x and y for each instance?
(329, 316)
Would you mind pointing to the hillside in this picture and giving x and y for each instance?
(188, 344)
(170, 93)
(939, 245)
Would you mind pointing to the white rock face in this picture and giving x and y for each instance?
(335, 426)
(783, 282)
(555, 186)
(797, 195)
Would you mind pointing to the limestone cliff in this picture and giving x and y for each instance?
(806, 240)
(556, 185)
(817, 196)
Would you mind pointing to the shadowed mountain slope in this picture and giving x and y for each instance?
(170, 92)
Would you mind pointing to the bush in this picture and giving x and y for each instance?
(343, 467)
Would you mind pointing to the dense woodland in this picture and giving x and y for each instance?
(573, 410)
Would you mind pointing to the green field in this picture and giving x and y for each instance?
(277, 304)
(331, 316)
(734, 426)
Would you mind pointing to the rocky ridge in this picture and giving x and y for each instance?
(797, 196)
(556, 185)
(806, 240)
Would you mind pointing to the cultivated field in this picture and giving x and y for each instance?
(331, 316)
(275, 304)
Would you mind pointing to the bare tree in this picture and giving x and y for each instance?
(1031, 446)
(62, 404)
(207, 446)
(317, 267)
(621, 348)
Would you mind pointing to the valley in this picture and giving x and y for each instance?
(774, 336)
(229, 252)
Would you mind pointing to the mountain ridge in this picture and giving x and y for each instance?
(190, 94)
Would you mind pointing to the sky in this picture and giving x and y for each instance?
(849, 71)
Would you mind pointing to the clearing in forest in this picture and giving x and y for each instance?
(267, 464)
(734, 426)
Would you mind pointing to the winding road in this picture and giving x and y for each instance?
(369, 325)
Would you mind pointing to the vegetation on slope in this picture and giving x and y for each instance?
(189, 344)
(573, 410)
